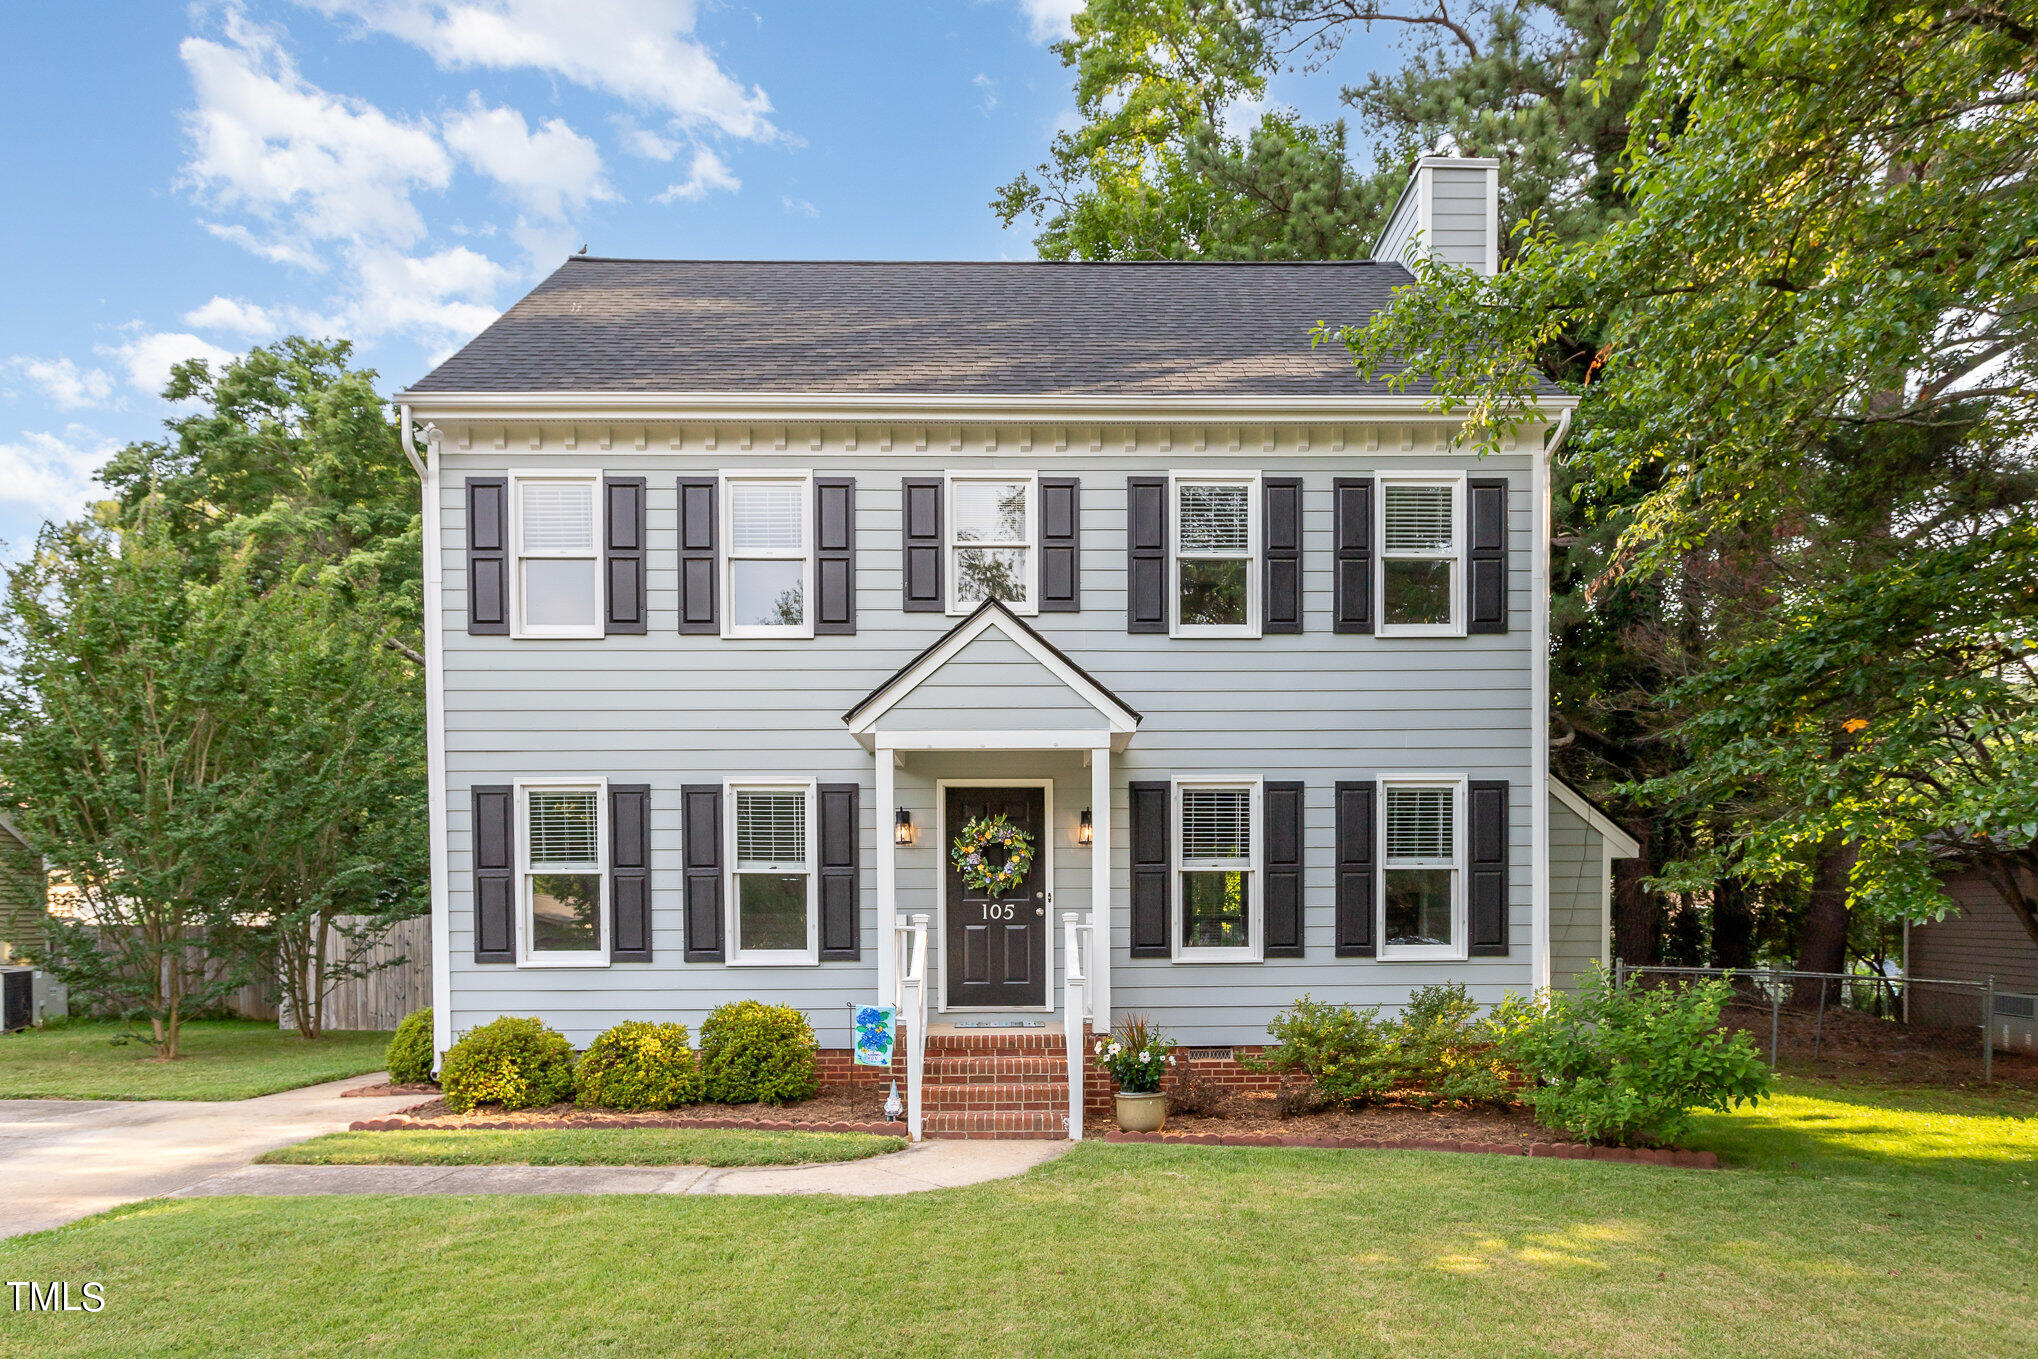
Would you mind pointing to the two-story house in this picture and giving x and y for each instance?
(750, 584)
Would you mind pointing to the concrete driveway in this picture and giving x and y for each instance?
(61, 1160)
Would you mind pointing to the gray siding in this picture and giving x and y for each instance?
(1459, 221)
(668, 710)
(991, 675)
(1981, 938)
(1578, 898)
(24, 895)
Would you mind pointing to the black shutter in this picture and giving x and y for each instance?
(1281, 556)
(1486, 554)
(488, 556)
(921, 511)
(835, 555)
(1146, 551)
(629, 873)
(623, 552)
(1282, 816)
(1486, 899)
(697, 587)
(1061, 526)
(1356, 843)
(701, 823)
(1148, 804)
(841, 899)
(495, 935)
(1352, 609)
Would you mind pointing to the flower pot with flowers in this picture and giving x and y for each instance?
(1138, 1054)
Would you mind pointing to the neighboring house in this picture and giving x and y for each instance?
(1981, 939)
(24, 892)
(754, 581)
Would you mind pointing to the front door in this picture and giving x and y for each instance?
(997, 943)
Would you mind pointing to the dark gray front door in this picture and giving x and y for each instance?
(997, 945)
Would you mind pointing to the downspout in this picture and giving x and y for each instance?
(1539, 718)
(435, 732)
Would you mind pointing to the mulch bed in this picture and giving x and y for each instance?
(1859, 1046)
(829, 1111)
(385, 1088)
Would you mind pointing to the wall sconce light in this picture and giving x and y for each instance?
(902, 828)
(1084, 834)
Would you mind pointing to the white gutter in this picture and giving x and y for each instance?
(1539, 712)
(435, 733)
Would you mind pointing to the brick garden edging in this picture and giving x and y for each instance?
(400, 1124)
(1569, 1151)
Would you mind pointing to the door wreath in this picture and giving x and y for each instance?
(992, 854)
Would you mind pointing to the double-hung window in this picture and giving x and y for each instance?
(769, 580)
(563, 875)
(1216, 588)
(993, 540)
(558, 549)
(1422, 556)
(772, 887)
(1422, 892)
(1217, 879)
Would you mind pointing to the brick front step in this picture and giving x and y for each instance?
(1042, 1095)
(1008, 1123)
(985, 1044)
(977, 1069)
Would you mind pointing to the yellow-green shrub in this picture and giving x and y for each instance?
(516, 1063)
(753, 1051)
(408, 1058)
(638, 1065)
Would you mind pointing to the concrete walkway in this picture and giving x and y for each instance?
(931, 1165)
(61, 1160)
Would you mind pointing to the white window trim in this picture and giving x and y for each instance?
(725, 512)
(1456, 556)
(518, 628)
(772, 957)
(1254, 553)
(1256, 880)
(527, 956)
(949, 545)
(1410, 953)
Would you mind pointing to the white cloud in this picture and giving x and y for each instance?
(706, 174)
(233, 314)
(642, 141)
(445, 295)
(62, 383)
(54, 476)
(799, 205)
(149, 356)
(1048, 20)
(988, 88)
(641, 51)
(547, 172)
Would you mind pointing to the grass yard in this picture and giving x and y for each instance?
(1860, 1222)
(583, 1147)
(222, 1059)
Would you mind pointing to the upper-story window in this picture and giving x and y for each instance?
(1421, 556)
(558, 555)
(769, 575)
(772, 888)
(1217, 883)
(993, 540)
(1422, 896)
(1217, 556)
(563, 878)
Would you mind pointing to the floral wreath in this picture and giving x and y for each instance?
(977, 850)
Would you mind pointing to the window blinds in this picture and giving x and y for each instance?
(564, 828)
(1216, 518)
(1216, 824)
(990, 511)
(1418, 519)
(771, 828)
(558, 516)
(1419, 823)
(766, 516)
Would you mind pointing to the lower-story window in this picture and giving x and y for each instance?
(563, 880)
(1217, 891)
(1422, 887)
(772, 916)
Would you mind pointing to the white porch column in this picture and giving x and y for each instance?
(1100, 885)
(887, 901)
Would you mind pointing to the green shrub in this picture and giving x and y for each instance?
(1348, 1054)
(1445, 1049)
(751, 1051)
(516, 1063)
(409, 1057)
(637, 1065)
(1628, 1063)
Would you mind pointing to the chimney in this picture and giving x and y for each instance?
(1450, 208)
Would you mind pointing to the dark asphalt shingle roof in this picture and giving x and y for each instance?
(1107, 329)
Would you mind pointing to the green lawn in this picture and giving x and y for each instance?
(583, 1147)
(1857, 1223)
(221, 1059)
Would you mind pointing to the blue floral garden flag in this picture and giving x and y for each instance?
(877, 1029)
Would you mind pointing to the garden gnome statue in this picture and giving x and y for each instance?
(892, 1106)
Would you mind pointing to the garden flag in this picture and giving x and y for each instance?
(877, 1029)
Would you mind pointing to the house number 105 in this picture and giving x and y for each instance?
(993, 911)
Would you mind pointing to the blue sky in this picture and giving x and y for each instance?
(196, 180)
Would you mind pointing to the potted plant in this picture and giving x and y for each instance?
(1138, 1054)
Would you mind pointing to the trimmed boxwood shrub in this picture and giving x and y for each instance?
(751, 1051)
(637, 1065)
(409, 1057)
(516, 1063)
(1347, 1054)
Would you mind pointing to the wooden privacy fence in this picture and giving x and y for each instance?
(381, 999)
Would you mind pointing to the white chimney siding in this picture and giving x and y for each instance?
(1450, 209)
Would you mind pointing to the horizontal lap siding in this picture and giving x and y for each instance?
(667, 710)
(1459, 220)
(1981, 940)
(1577, 900)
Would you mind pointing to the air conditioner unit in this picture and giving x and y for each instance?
(2014, 1025)
(17, 998)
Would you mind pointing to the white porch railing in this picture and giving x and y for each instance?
(1075, 1008)
(909, 996)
